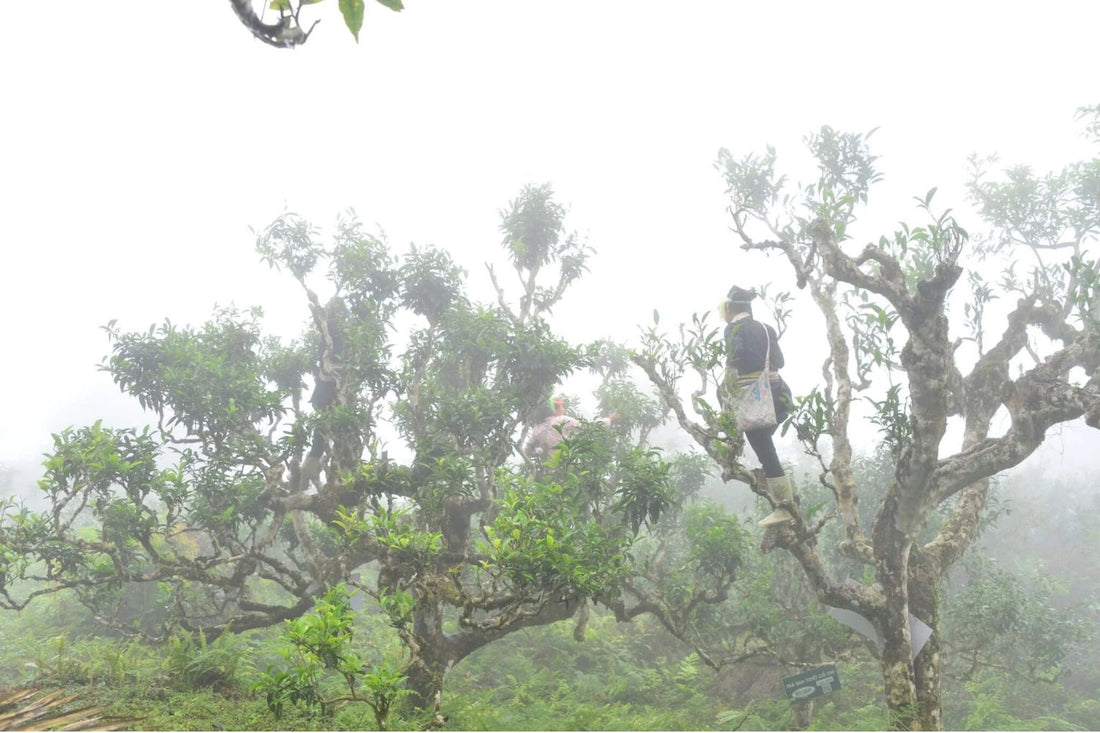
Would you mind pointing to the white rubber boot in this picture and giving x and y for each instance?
(780, 490)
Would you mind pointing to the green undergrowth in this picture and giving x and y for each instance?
(620, 677)
(544, 679)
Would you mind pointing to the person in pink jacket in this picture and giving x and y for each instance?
(557, 426)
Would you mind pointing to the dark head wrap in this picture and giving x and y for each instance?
(740, 295)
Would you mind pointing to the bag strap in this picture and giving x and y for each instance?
(768, 352)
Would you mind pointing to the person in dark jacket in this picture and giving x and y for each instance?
(747, 342)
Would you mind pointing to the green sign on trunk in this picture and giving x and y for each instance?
(813, 683)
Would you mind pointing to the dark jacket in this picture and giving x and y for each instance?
(746, 344)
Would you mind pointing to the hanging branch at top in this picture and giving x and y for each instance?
(287, 31)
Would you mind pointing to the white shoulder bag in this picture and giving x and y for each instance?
(754, 406)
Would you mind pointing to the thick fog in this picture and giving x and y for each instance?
(145, 143)
(144, 140)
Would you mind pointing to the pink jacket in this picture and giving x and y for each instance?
(547, 434)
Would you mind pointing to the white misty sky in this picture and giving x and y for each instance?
(142, 140)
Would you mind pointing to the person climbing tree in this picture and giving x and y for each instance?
(748, 342)
(554, 427)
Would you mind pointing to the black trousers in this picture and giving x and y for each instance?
(764, 448)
